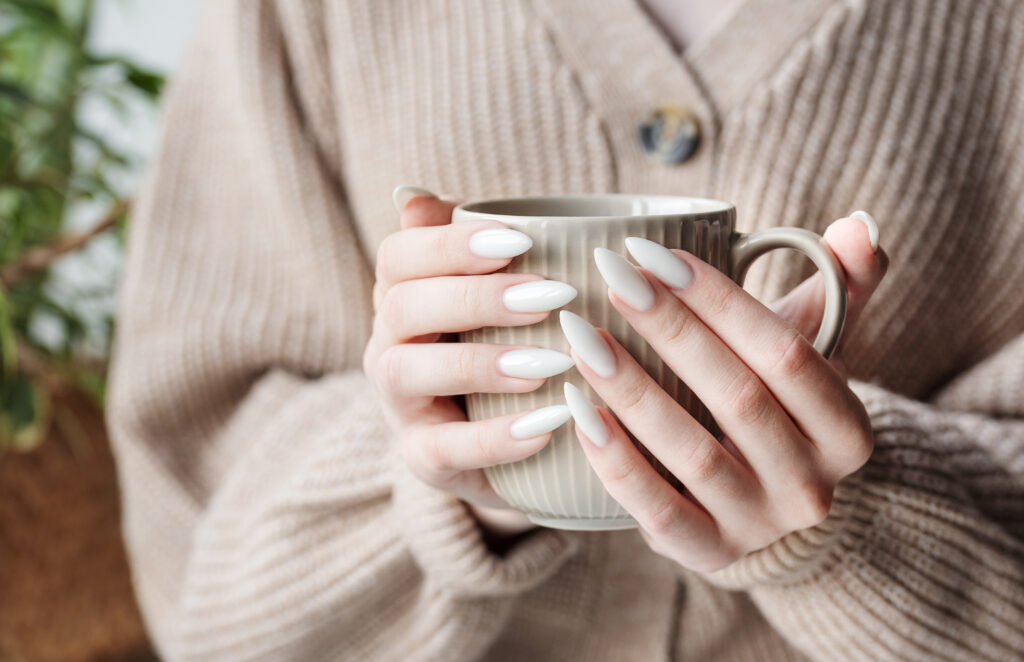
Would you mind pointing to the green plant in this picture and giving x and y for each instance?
(51, 163)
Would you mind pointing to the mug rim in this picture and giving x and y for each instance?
(477, 208)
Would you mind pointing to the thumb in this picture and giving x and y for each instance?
(851, 241)
(420, 208)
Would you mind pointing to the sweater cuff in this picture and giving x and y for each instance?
(448, 544)
(808, 553)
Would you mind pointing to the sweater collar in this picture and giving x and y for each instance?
(625, 66)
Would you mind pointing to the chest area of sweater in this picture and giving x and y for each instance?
(895, 107)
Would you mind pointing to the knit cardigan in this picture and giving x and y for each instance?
(266, 510)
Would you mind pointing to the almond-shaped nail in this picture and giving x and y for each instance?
(588, 343)
(533, 363)
(586, 416)
(403, 194)
(868, 220)
(538, 296)
(539, 421)
(499, 242)
(660, 261)
(623, 279)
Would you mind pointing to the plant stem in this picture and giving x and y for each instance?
(40, 257)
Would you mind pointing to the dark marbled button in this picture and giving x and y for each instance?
(670, 134)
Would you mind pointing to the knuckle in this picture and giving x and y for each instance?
(634, 395)
(369, 362)
(862, 443)
(815, 502)
(662, 519)
(390, 311)
(723, 303)
(439, 245)
(623, 472)
(705, 460)
(468, 296)
(751, 401)
(465, 367)
(434, 458)
(795, 355)
(386, 256)
(679, 327)
(389, 368)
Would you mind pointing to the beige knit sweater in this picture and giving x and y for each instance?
(266, 511)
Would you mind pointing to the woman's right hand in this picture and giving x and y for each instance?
(434, 278)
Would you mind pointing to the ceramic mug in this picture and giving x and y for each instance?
(556, 487)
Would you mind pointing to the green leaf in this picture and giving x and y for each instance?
(8, 347)
(24, 414)
(148, 82)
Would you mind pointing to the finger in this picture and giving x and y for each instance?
(449, 304)
(705, 327)
(657, 507)
(419, 207)
(438, 453)
(410, 371)
(743, 406)
(715, 477)
(849, 239)
(472, 247)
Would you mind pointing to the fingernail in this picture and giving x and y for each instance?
(403, 194)
(588, 343)
(533, 363)
(539, 421)
(499, 243)
(586, 415)
(623, 278)
(869, 221)
(538, 296)
(660, 261)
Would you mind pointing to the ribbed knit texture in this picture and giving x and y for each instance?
(266, 509)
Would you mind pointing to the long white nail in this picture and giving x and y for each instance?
(533, 363)
(586, 415)
(538, 296)
(539, 421)
(403, 194)
(660, 261)
(588, 343)
(628, 283)
(869, 221)
(499, 243)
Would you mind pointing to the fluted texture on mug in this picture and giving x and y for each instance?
(558, 483)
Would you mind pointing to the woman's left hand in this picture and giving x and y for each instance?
(792, 427)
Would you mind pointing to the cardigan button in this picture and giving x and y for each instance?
(670, 134)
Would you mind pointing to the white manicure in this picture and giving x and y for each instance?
(588, 343)
(539, 421)
(660, 261)
(628, 283)
(538, 296)
(403, 194)
(499, 243)
(586, 415)
(533, 363)
(869, 221)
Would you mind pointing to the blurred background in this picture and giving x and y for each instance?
(80, 82)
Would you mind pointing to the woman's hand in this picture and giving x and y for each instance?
(434, 277)
(792, 427)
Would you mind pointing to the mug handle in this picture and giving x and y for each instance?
(748, 247)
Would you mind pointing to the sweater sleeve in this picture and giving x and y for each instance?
(266, 511)
(922, 554)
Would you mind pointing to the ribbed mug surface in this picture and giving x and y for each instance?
(556, 487)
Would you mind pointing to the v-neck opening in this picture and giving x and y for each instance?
(625, 67)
